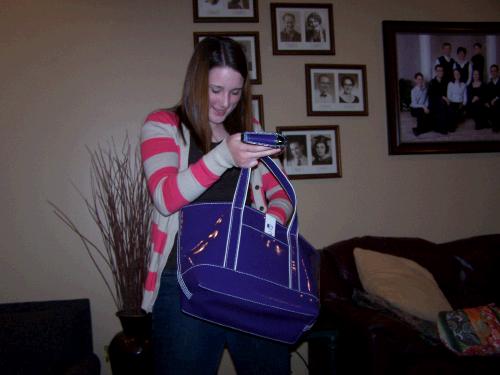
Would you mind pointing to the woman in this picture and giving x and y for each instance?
(346, 96)
(476, 97)
(457, 96)
(296, 151)
(193, 152)
(321, 151)
(315, 32)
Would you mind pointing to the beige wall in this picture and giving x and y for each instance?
(75, 73)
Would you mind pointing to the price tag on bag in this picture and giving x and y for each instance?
(270, 225)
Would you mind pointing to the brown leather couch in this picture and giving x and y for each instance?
(371, 341)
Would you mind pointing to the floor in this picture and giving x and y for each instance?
(465, 132)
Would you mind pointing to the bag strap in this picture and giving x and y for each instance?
(236, 220)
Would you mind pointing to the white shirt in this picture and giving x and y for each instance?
(457, 92)
(419, 98)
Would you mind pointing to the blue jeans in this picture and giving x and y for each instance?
(187, 345)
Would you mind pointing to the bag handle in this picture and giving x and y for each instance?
(236, 219)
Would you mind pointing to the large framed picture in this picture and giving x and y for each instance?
(334, 90)
(311, 151)
(258, 109)
(439, 92)
(249, 41)
(302, 29)
(225, 11)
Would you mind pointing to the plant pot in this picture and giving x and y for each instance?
(130, 351)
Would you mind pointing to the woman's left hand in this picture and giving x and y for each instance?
(246, 155)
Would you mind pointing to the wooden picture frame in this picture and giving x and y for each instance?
(412, 47)
(249, 40)
(302, 29)
(225, 11)
(258, 109)
(336, 90)
(311, 151)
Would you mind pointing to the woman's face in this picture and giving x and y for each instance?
(225, 86)
(314, 23)
(347, 85)
(320, 149)
(295, 149)
(475, 75)
(456, 75)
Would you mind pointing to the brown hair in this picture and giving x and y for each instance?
(213, 52)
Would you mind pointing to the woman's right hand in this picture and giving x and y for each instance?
(246, 155)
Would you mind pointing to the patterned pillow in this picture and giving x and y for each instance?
(471, 331)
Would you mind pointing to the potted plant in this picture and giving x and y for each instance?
(121, 208)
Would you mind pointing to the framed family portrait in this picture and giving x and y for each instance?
(439, 86)
(258, 109)
(225, 11)
(302, 29)
(333, 90)
(249, 41)
(311, 151)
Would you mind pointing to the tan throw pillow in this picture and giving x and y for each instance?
(402, 282)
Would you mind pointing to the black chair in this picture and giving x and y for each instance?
(47, 337)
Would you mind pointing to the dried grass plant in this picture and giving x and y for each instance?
(120, 206)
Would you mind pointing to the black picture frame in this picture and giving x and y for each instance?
(331, 98)
(249, 40)
(225, 11)
(411, 47)
(292, 31)
(302, 157)
(258, 109)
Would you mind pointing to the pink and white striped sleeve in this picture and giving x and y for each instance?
(279, 204)
(170, 187)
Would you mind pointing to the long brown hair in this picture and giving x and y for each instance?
(193, 108)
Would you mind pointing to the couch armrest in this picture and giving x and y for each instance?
(369, 325)
(89, 365)
(386, 344)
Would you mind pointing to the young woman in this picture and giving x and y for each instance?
(476, 93)
(457, 95)
(190, 153)
(321, 151)
(315, 32)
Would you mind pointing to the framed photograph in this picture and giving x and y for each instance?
(302, 29)
(258, 109)
(225, 11)
(311, 151)
(438, 78)
(249, 41)
(334, 90)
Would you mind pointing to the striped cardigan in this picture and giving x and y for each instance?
(173, 183)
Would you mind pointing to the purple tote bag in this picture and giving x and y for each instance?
(240, 268)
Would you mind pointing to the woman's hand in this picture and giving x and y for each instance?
(246, 155)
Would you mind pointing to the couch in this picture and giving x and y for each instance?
(374, 340)
(47, 337)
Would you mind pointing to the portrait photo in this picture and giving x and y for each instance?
(336, 90)
(225, 11)
(249, 42)
(324, 90)
(311, 151)
(302, 29)
(442, 82)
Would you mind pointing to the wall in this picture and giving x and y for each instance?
(76, 73)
